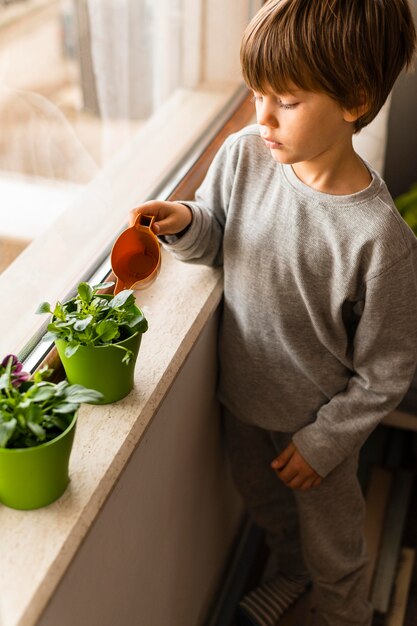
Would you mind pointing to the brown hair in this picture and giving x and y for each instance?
(352, 50)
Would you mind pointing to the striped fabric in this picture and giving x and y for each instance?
(265, 605)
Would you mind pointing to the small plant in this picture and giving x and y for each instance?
(33, 410)
(91, 319)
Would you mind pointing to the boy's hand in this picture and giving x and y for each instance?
(170, 217)
(294, 471)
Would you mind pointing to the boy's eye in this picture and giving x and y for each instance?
(283, 105)
(258, 98)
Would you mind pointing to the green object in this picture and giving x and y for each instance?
(98, 338)
(34, 477)
(33, 410)
(93, 319)
(407, 206)
(102, 367)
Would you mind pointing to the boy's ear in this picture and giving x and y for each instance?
(351, 115)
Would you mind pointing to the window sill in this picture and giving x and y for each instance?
(38, 546)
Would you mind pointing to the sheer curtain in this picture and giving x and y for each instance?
(79, 79)
(136, 57)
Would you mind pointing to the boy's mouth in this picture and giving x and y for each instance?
(272, 145)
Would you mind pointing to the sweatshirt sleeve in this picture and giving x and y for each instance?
(385, 352)
(203, 241)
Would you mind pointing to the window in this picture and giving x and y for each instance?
(101, 101)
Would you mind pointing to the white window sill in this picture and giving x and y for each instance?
(38, 546)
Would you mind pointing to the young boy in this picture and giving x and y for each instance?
(318, 340)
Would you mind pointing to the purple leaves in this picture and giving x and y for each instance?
(17, 375)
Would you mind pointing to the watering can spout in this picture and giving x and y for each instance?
(119, 286)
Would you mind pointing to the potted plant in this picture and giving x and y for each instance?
(37, 426)
(97, 337)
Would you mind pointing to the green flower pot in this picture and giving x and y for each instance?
(34, 477)
(101, 367)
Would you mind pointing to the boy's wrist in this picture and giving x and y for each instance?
(174, 237)
(184, 230)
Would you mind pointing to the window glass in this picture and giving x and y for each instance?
(80, 78)
(103, 104)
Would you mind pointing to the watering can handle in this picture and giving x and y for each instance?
(143, 220)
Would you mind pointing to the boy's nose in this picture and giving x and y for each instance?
(266, 117)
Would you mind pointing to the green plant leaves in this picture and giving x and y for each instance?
(81, 324)
(85, 292)
(122, 298)
(128, 355)
(107, 330)
(6, 431)
(37, 430)
(41, 374)
(4, 381)
(139, 323)
(69, 407)
(44, 307)
(102, 286)
(71, 348)
(40, 392)
(78, 394)
(36, 412)
(407, 206)
(93, 319)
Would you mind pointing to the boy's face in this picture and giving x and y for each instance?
(303, 126)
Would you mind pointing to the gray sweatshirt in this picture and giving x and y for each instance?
(319, 326)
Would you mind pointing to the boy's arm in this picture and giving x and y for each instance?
(385, 353)
(193, 230)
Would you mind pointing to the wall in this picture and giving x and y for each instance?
(401, 154)
(157, 552)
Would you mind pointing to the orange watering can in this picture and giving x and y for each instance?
(136, 255)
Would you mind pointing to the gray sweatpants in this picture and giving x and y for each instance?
(319, 530)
